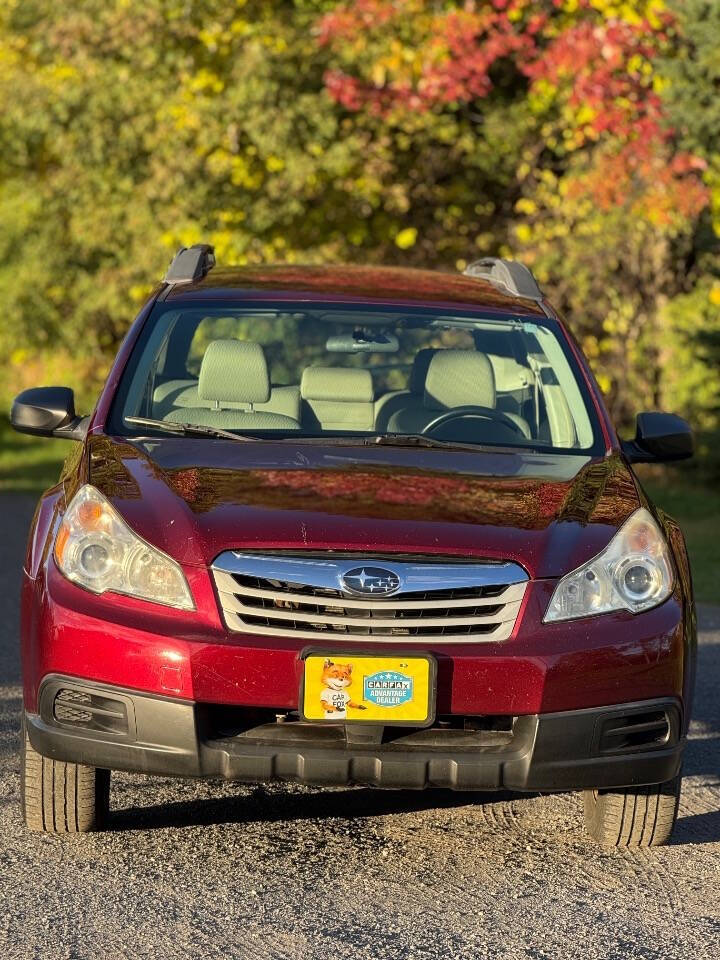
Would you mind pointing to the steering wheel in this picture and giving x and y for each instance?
(470, 412)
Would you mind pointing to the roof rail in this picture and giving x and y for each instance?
(514, 277)
(191, 263)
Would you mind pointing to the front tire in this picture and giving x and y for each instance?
(634, 816)
(60, 797)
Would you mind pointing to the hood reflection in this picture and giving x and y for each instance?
(215, 495)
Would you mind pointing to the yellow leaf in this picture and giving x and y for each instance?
(18, 357)
(406, 238)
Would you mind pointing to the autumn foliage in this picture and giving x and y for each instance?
(578, 135)
(596, 70)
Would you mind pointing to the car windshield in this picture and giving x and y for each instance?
(299, 371)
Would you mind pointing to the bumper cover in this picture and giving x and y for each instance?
(546, 752)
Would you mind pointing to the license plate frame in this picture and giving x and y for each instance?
(380, 710)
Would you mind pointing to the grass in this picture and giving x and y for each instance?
(31, 464)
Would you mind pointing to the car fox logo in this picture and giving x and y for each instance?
(335, 700)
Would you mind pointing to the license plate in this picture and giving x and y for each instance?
(364, 688)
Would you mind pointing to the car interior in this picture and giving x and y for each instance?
(478, 382)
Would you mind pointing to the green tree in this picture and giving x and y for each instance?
(562, 131)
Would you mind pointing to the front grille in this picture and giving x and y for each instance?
(305, 597)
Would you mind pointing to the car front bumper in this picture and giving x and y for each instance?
(190, 655)
(600, 747)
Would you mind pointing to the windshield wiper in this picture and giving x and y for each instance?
(390, 440)
(186, 429)
(424, 440)
(421, 440)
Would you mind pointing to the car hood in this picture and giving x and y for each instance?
(195, 497)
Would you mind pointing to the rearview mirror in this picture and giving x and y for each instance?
(363, 341)
(659, 438)
(48, 412)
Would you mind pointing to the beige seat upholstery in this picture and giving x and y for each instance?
(337, 398)
(455, 378)
(233, 379)
(393, 405)
(241, 420)
(234, 371)
(440, 380)
(174, 394)
(184, 393)
(458, 378)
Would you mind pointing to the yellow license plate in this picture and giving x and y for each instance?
(364, 688)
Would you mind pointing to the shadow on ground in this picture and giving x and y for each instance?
(698, 828)
(351, 804)
(262, 806)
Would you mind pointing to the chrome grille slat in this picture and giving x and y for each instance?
(502, 632)
(226, 584)
(229, 602)
(305, 598)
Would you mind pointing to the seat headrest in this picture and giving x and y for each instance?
(420, 367)
(341, 384)
(234, 371)
(458, 378)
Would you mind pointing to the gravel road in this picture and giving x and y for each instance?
(213, 870)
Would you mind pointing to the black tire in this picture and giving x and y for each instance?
(635, 816)
(61, 797)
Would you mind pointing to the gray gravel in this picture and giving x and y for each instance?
(223, 870)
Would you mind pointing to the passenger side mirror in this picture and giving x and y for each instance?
(659, 438)
(48, 412)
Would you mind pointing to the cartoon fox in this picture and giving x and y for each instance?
(335, 699)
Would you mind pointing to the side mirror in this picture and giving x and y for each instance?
(659, 438)
(48, 412)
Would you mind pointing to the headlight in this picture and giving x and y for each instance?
(634, 572)
(96, 549)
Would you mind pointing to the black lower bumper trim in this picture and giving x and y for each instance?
(547, 752)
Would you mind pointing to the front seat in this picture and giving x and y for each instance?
(233, 372)
(455, 378)
(400, 407)
(338, 398)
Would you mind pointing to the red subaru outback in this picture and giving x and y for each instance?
(355, 525)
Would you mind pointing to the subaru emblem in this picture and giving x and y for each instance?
(370, 581)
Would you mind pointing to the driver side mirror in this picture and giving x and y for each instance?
(659, 438)
(48, 412)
